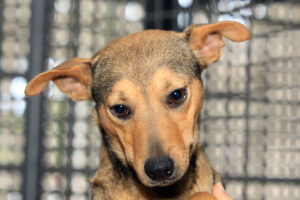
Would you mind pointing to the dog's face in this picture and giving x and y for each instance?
(154, 129)
(148, 94)
(150, 107)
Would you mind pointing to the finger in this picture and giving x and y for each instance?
(219, 192)
(202, 196)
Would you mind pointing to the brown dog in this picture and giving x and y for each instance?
(148, 94)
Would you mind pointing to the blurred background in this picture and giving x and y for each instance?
(49, 145)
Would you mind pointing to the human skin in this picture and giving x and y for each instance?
(219, 192)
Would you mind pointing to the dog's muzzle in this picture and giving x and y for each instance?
(159, 168)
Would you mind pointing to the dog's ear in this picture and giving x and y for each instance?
(72, 77)
(206, 40)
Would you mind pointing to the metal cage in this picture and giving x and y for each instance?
(250, 125)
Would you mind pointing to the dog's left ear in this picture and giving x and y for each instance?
(72, 77)
(206, 40)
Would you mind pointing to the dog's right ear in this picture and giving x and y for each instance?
(72, 77)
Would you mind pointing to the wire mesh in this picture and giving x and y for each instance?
(14, 39)
(250, 121)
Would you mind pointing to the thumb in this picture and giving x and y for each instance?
(219, 192)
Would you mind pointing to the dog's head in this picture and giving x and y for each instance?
(148, 94)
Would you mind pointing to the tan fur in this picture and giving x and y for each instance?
(140, 71)
(202, 196)
(208, 50)
(153, 120)
(72, 77)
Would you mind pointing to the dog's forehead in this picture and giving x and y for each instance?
(137, 57)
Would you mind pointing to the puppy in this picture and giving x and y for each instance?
(148, 96)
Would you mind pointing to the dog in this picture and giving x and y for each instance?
(148, 96)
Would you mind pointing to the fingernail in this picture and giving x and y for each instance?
(220, 186)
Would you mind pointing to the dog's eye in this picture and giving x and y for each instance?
(120, 111)
(177, 96)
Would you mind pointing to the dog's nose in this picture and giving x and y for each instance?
(159, 168)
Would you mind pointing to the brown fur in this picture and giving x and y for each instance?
(135, 59)
(140, 71)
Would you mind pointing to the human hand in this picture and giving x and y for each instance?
(219, 192)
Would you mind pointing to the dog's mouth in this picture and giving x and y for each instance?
(164, 183)
(167, 182)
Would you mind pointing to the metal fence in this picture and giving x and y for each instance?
(49, 145)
